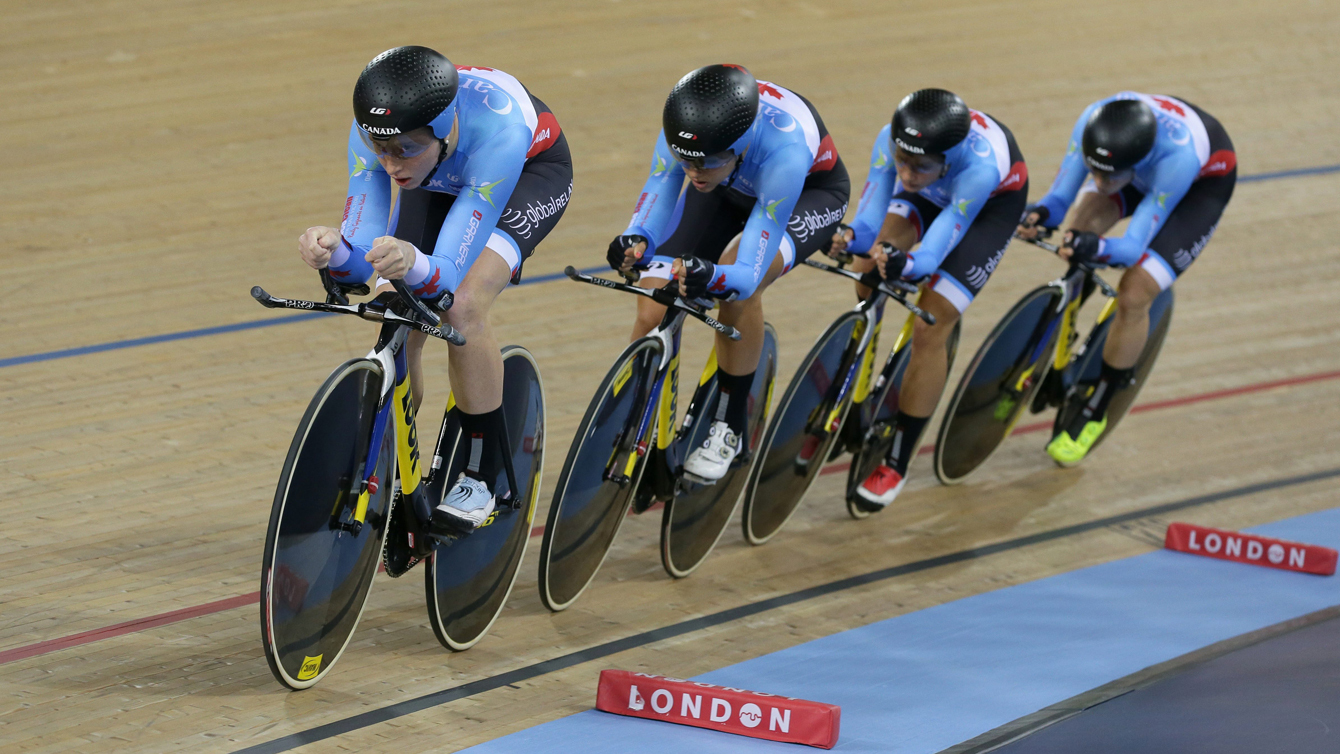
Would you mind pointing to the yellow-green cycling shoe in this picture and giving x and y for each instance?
(1068, 451)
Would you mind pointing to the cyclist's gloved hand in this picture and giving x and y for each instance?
(1034, 222)
(842, 236)
(1087, 247)
(625, 252)
(694, 276)
(892, 262)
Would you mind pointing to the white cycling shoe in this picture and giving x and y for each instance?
(468, 505)
(710, 462)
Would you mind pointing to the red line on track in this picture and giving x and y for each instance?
(163, 619)
(129, 627)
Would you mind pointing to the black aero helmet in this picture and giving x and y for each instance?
(1118, 135)
(403, 89)
(709, 110)
(930, 121)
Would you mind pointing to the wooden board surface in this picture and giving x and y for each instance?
(163, 157)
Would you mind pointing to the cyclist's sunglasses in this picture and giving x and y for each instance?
(1105, 180)
(710, 162)
(919, 163)
(401, 146)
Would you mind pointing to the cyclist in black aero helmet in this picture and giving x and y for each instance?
(953, 180)
(768, 189)
(484, 174)
(1171, 168)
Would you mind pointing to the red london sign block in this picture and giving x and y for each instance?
(703, 705)
(1249, 548)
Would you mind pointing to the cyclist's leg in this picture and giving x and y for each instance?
(533, 210)
(814, 219)
(946, 295)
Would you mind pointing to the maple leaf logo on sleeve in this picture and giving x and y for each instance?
(429, 286)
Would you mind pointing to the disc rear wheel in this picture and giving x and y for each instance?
(468, 580)
(695, 519)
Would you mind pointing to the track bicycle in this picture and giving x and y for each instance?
(628, 455)
(1034, 359)
(353, 470)
(834, 404)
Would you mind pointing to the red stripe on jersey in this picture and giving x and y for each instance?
(1014, 180)
(547, 132)
(827, 156)
(1220, 163)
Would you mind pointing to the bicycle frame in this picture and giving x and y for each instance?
(661, 404)
(660, 407)
(865, 337)
(394, 395)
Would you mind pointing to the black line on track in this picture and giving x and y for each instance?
(437, 698)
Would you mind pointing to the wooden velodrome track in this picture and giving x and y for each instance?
(162, 157)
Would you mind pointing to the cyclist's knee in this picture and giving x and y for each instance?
(1137, 291)
(946, 316)
(469, 308)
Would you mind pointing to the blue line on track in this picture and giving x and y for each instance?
(1289, 174)
(186, 334)
(66, 353)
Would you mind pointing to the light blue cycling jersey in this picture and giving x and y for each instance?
(780, 149)
(1181, 150)
(977, 167)
(499, 129)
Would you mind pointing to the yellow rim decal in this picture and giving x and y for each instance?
(624, 374)
(451, 400)
(311, 666)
